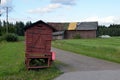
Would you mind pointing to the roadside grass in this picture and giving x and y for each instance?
(12, 65)
(108, 49)
(21, 38)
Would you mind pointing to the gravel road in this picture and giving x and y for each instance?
(72, 64)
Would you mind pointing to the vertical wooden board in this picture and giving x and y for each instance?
(47, 37)
(36, 39)
(46, 32)
(38, 50)
(48, 42)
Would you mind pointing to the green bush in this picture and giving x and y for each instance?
(77, 36)
(1, 38)
(11, 37)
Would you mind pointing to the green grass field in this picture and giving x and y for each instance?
(12, 64)
(108, 49)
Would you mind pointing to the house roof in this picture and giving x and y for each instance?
(39, 22)
(87, 26)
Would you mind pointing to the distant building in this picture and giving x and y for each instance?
(58, 35)
(83, 29)
(70, 30)
(61, 28)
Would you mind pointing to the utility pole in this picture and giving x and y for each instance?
(7, 20)
(7, 9)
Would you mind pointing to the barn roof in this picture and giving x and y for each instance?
(72, 26)
(39, 22)
(58, 33)
(87, 26)
(59, 26)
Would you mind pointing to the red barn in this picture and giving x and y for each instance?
(38, 45)
(80, 29)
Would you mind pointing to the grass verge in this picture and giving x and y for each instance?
(12, 64)
(108, 49)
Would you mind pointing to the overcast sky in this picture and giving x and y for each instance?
(104, 11)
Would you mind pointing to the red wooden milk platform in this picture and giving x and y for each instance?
(38, 45)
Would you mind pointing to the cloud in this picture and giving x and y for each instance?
(5, 2)
(49, 8)
(104, 20)
(55, 4)
(64, 2)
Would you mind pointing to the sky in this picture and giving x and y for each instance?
(104, 11)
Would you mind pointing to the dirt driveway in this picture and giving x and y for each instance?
(72, 62)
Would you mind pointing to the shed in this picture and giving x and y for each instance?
(38, 38)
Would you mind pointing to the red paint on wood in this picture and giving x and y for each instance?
(38, 41)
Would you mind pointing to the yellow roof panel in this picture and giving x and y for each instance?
(72, 26)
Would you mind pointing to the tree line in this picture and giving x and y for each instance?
(17, 28)
(112, 30)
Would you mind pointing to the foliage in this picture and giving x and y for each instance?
(1, 39)
(65, 25)
(17, 28)
(10, 37)
(108, 49)
(12, 65)
(38, 62)
(0, 28)
(21, 38)
(20, 28)
(112, 30)
(77, 36)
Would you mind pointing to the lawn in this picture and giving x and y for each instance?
(12, 65)
(108, 49)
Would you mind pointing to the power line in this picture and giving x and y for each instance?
(7, 9)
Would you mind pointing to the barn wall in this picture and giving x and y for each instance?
(83, 33)
(38, 39)
(88, 34)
